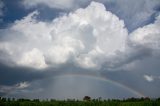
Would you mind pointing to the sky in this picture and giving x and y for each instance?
(74, 48)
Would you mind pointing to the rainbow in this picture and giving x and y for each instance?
(93, 74)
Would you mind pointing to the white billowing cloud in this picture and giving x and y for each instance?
(149, 78)
(87, 37)
(148, 36)
(143, 42)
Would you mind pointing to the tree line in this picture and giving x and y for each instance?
(87, 101)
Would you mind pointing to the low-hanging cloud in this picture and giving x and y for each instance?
(7, 89)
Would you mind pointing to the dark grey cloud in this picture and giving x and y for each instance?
(13, 75)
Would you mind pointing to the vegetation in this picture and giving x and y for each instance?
(87, 101)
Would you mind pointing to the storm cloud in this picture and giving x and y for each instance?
(92, 39)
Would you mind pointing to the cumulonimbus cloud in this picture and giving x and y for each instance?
(88, 38)
(83, 37)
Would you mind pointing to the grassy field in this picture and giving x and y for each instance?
(85, 102)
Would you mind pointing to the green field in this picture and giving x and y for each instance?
(85, 102)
